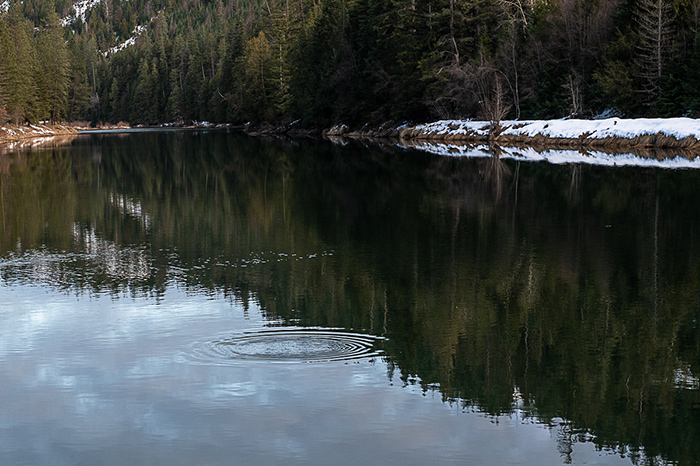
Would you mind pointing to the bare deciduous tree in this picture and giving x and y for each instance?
(479, 88)
(516, 15)
(452, 31)
(518, 11)
(654, 19)
(574, 87)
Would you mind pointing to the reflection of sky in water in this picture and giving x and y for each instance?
(97, 259)
(108, 381)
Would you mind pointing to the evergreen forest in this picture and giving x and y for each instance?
(322, 62)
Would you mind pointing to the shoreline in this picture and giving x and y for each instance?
(612, 134)
(661, 139)
(17, 138)
(15, 133)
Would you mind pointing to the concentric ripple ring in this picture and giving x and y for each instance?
(292, 345)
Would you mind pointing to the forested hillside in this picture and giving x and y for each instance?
(352, 61)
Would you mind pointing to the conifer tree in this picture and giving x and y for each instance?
(143, 94)
(52, 67)
(258, 72)
(19, 67)
(78, 93)
(174, 105)
(4, 50)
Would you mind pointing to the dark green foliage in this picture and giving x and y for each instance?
(79, 88)
(691, 85)
(52, 70)
(352, 61)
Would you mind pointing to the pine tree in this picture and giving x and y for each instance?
(4, 44)
(174, 106)
(143, 94)
(52, 67)
(78, 96)
(19, 63)
(258, 76)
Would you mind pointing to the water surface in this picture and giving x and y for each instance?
(206, 298)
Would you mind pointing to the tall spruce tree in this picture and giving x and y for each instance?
(52, 67)
(19, 63)
(79, 89)
(4, 51)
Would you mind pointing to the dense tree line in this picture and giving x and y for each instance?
(355, 61)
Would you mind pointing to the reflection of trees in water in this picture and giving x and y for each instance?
(10, 150)
(495, 173)
(563, 281)
(92, 264)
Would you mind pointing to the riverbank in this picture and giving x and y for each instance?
(641, 137)
(15, 133)
(16, 138)
(610, 133)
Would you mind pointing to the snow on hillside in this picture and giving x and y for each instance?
(5, 6)
(81, 7)
(138, 30)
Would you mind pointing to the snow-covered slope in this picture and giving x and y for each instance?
(81, 7)
(138, 30)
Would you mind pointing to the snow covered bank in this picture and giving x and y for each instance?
(25, 144)
(611, 132)
(653, 142)
(18, 138)
(12, 133)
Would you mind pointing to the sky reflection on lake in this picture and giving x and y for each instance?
(109, 381)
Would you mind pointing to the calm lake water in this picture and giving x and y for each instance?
(182, 298)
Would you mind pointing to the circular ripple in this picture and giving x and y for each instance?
(292, 345)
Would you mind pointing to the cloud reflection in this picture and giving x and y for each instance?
(103, 376)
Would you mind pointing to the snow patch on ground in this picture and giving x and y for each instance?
(138, 30)
(610, 127)
(456, 127)
(572, 129)
(556, 156)
(81, 7)
(5, 6)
